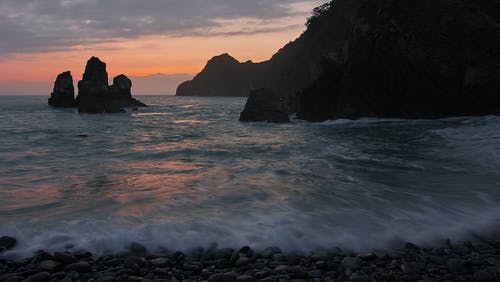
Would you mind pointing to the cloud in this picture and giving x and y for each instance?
(29, 26)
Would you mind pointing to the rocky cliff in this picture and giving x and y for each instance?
(411, 59)
(380, 58)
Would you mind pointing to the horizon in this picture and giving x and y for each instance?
(46, 39)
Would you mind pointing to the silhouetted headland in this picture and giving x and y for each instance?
(388, 59)
(94, 93)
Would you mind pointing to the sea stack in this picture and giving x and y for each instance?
(94, 93)
(64, 91)
(120, 93)
(93, 88)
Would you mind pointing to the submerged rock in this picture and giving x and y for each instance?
(265, 105)
(63, 94)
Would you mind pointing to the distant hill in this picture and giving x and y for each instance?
(291, 69)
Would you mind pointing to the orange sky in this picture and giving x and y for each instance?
(147, 56)
(252, 36)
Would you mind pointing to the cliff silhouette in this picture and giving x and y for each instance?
(376, 58)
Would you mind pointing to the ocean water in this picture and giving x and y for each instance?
(185, 173)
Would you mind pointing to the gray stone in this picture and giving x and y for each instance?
(14, 278)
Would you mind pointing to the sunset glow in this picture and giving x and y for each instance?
(168, 50)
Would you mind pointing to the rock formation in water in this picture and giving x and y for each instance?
(382, 58)
(94, 94)
(93, 89)
(64, 91)
(266, 105)
(120, 93)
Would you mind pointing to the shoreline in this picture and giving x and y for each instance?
(461, 261)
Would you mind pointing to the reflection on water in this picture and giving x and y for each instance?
(187, 172)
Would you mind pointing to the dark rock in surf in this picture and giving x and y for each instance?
(7, 243)
(63, 94)
(266, 105)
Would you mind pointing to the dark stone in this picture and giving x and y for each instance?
(245, 278)
(80, 267)
(39, 277)
(266, 105)
(222, 277)
(137, 248)
(106, 279)
(63, 94)
(367, 256)
(7, 243)
(49, 265)
(352, 263)
(65, 258)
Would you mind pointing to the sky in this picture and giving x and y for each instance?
(138, 38)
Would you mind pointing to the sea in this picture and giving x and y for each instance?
(185, 173)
